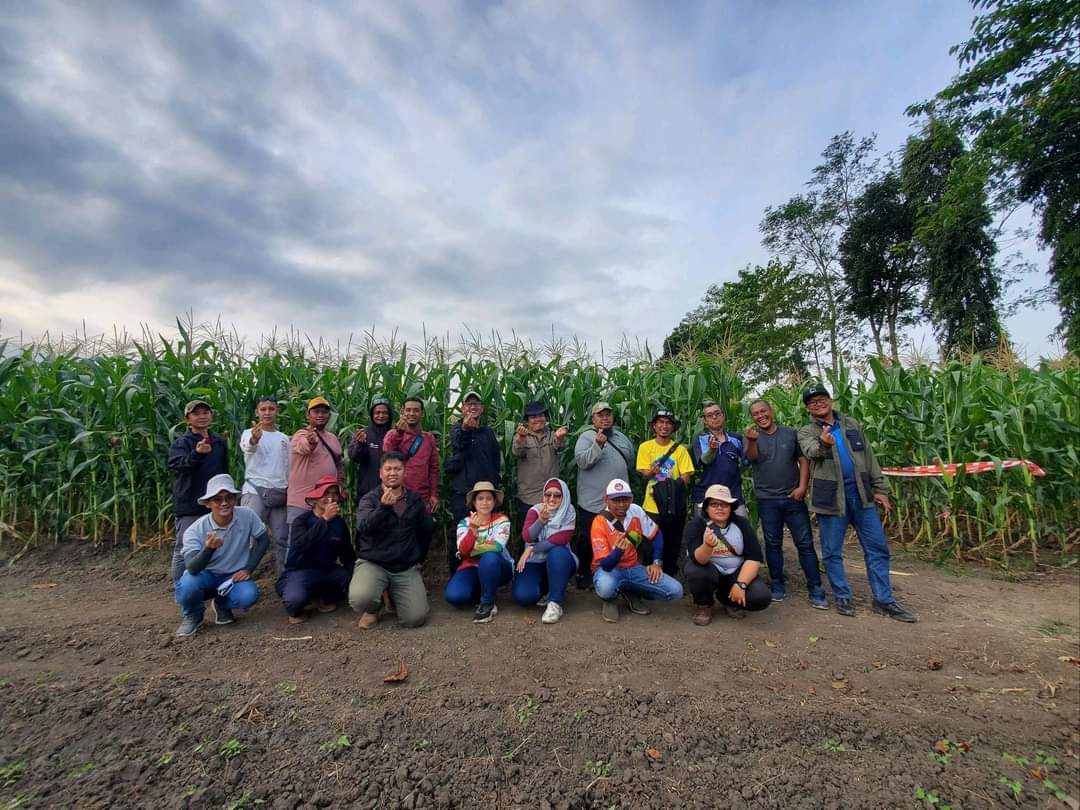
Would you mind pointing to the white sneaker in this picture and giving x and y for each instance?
(552, 613)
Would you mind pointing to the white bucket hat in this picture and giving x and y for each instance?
(218, 484)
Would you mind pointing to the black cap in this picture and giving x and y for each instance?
(535, 408)
(662, 412)
(815, 390)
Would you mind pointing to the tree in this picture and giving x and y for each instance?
(946, 184)
(880, 262)
(1018, 97)
(806, 230)
(761, 320)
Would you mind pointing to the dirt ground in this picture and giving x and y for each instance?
(792, 708)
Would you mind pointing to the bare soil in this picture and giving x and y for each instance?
(792, 708)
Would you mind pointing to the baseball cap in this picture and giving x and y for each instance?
(315, 402)
(600, 406)
(471, 394)
(618, 488)
(815, 390)
(195, 403)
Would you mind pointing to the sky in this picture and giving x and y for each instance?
(582, 168)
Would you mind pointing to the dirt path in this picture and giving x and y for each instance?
(792, 708)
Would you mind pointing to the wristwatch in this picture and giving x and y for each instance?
(740, 585)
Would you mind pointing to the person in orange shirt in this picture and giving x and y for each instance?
(623, 536)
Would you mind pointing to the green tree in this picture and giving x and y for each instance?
(761, 322)
(806, 230)
(880, 262)
(946, 184)
(1018, 97)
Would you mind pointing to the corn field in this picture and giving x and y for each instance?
(87, 428)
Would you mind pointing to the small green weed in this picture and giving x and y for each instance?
(166, 758)
(288, 687)
(231, 748)
(339, 743)
(579, 715)
(1023, 762)
(16, 802)
(422, 745)
(12, 772)
(1012, 785)
(930, 799)
(188, 792)
(945, 750)
(81, 771)
(122, 679)
(598, 768)
(835, 746)
(527, 710)
(1055, 629)
(1046, 760)
(238, 804)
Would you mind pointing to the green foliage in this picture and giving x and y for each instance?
(1018, 96)
(598, 768)
(339, 743)
(12, 772)
(1015, 787)
(835, 746)
(930, 799)
(763, 322)
(527, 710)
(231, 748)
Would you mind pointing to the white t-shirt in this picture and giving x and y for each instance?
(266, 464)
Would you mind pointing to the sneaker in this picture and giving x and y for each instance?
(552, 613)
(845, 607)
(484, 613)
(222, 614)
(610, 611)
(636, 604)
(367, 620)
(735, 612)
(543, 601)
(893, 610)
(778, 592)
(702, 615)
(188, 626)
(818, 600)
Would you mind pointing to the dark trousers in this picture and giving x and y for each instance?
(299, 587)
(583, 547)
(672, 529)
(774, 515)
(458, 511)
(706, 584)
(182, 524)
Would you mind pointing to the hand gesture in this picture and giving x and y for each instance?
(709, 538)
(520, 433)
(360, 437)
(737, 595)
(560, 432)
(623, 542)
(256, 432)
(601, 438)
(474, 522)
(332, 511)
(203, 446)
(751, 433)
(470, 421)
(524, 558)
(655, 572)
(714, 442)
(402, 426)
(312, 436)
(214, 540)
(826, 436)
(390, 497)
(544, 514)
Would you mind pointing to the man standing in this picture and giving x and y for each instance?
(316, 454)
(366, 447)
(536, 448)
(602, 455)
(719, 456)
(620, 535)
(474, 456)
(194, 458)
(221, 551)
(781, 473)
(846, 485)
(393, 534)
(419, 450)
(266, 474)
(663, 462)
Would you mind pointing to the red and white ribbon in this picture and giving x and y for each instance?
(971, 468)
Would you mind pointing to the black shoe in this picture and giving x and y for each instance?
(584, 583)
(484, 614)
(893, 611)
(636, 604)
(845, 607)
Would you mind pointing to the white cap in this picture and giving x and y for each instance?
(619, 489)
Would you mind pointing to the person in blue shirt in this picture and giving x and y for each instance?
(719, 456)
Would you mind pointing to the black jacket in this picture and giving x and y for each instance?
(395, 543)
(318, 544)
(474, 456)
(367, 456)
(192, 470)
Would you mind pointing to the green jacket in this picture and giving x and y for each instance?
(826, 479)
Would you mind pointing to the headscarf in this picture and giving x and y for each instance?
(564, 516)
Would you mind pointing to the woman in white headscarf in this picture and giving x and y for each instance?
(547, 564)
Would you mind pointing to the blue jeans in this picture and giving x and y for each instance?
(609, 584)
(774, 515)
(467, 585)
(549, 576)
(193, 590)
(832, 529)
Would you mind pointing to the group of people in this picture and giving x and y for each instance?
(627, 553)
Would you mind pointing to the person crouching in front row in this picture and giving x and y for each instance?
(320, 556)
(723, 559)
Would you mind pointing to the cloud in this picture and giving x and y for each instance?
(508, 166)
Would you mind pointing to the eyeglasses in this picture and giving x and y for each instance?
(710, 414)
(223, 497)
(556, 495)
